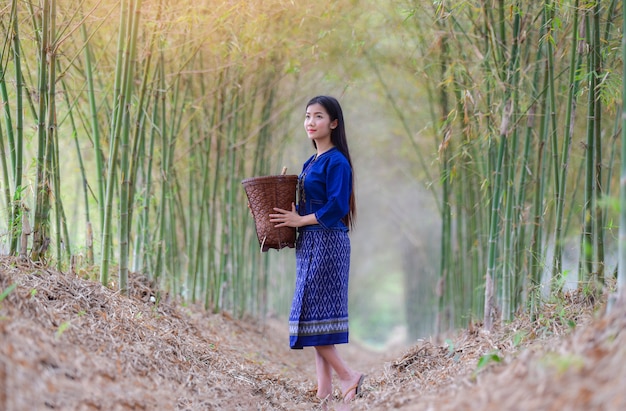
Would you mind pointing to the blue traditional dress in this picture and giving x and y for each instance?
(319, 311)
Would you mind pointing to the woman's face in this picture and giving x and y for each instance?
(317, 122)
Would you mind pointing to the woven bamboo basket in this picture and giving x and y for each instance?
(265, 193)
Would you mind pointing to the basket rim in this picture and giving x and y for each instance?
(270, 177)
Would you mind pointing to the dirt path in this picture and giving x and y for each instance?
(71, 344)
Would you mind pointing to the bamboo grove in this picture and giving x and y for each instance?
(153, 112)
(525, 104)
(128, 126)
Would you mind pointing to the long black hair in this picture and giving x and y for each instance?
(339, 140)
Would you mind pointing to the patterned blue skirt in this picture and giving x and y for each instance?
(319, 311)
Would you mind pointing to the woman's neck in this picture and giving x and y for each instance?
(322, 148)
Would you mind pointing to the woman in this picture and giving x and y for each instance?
(325, 212)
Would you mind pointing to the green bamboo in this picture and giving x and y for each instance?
(475, 248)
(609, 25)
(201, 231)
(192, 205)
(18, 146)
(553, 135)
(5, 179)
(522, 262)
(508, 306)
(621, 265)
(596, 50)
(86, 112)
(549, 7)
(234, 188)
(95, 128)
(83, 174)
(501, 38)
(63, 242)
(52, 154)
(173, 264)
(122, 69)
(126, 176)
(215, 278)
(5, 167)
(444, 152)
(144, 244)
(262, 165)
(175, 223)
(232, 274)
(460, 290)
(159, 246)
(163, 261)
(40, 226)
(219, 241)
(199, 283)
(6, 106)
(575, 63)
(500, 184)
(536, 241)
(586, 261)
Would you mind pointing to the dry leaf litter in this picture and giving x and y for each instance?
(69, 343)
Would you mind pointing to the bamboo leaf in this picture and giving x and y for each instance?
(7, 291)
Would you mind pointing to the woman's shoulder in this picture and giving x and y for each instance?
(336, 156)
(338, 161)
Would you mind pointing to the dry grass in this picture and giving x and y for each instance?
(72, 344)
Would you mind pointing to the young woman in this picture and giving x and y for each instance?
(325, 212)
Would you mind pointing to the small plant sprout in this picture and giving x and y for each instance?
(518, 337)
(487, 359)
(62, 328)
(7, 291)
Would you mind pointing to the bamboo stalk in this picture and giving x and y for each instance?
(586, 261)
(621, 265)
(508, 306)
(5, 169)
(536, 246)
(522, 262)
(597, 136)
(575, 63)
(40, 230)
(122, 68)
(95, 128)
(445, 153)
(16, 143)
(553, 136)
(127, 176)
(81, 166)
(144, 244)
(161, 223)
(52, 155)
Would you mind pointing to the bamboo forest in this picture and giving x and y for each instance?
(486, 254)
(487, 138)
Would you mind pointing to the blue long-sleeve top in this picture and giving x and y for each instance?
(324, 188)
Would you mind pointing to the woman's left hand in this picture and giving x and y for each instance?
(286, 218)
